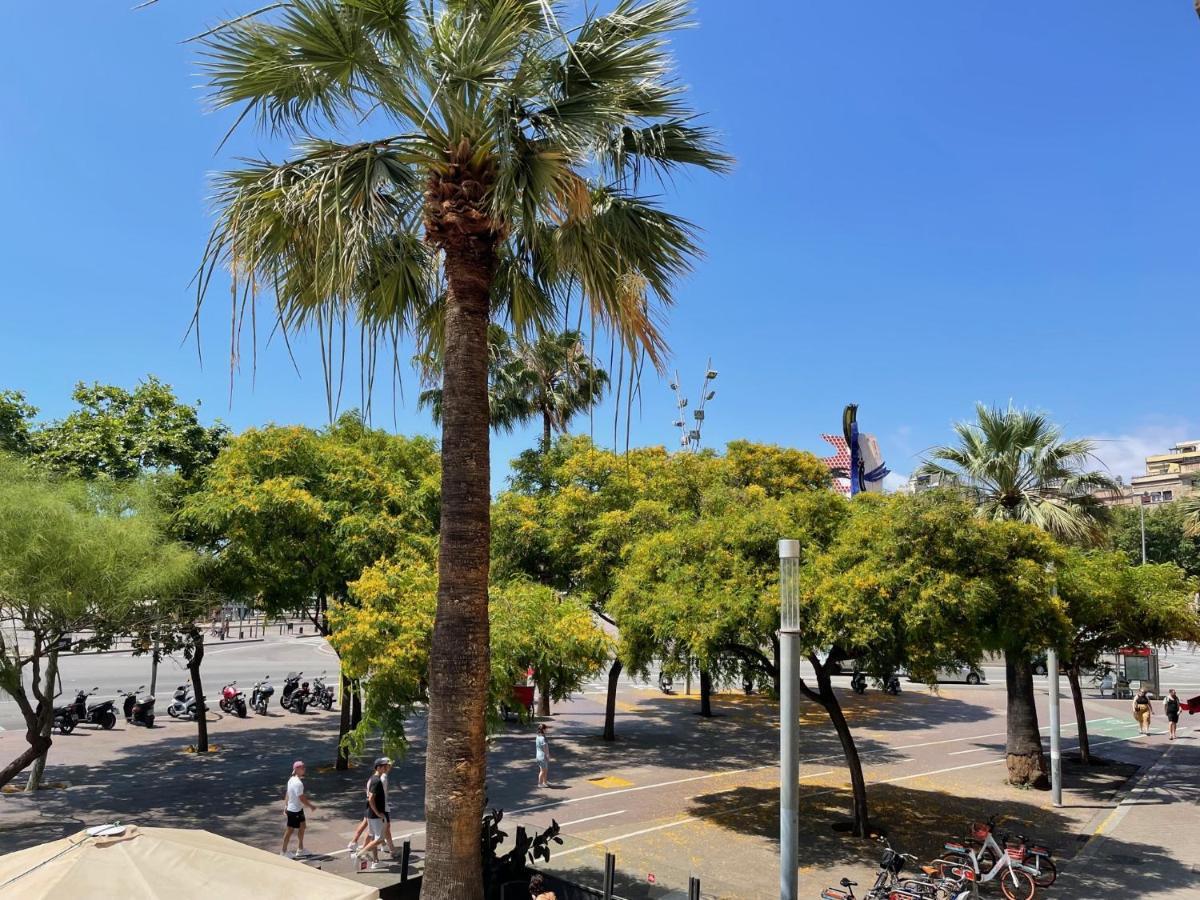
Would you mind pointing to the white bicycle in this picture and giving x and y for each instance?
(1015, 878)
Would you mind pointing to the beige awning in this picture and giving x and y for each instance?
(165, 864)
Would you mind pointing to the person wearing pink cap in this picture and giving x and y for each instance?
(294, 802)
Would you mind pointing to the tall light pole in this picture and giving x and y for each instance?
(689, 435)
(1142, 508)
(1055, 725)
(789, 745)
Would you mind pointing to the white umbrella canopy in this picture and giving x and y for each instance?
(132, 863)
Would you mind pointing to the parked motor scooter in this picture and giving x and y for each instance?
(232, 700)
(138, 712)
(102, 713)
(322, 694)
(291, 684)
(183, 704)
(301, 698)
(260, 697)
(65, 719)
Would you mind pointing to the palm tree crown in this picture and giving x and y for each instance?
(504, 124)
(1016, 466)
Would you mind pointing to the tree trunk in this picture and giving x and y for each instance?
(1085, 755)
(705, 694)
(45, 723)
(459, 667)
(1026, 764)
(198, 691)
(343, 758)
(356, 699)
(858, 783)
(544, 697)
(37, 749)
(610, 704)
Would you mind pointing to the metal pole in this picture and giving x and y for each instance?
(154, 668)
(1055, 729)
(789, 767)
(1142, 509)
(610, 874)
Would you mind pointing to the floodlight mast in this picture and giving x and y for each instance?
(689, 435)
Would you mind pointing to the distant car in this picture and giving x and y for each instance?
(969, 674)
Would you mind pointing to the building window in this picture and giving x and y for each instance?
(1168, 496)
(1156, 497)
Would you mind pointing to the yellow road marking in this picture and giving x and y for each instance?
(609, 781)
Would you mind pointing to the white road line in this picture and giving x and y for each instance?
(619, 812)
(972, 750)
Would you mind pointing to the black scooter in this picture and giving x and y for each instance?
(102, 714)
(138, 712)
(65, 719)
(294, 697)
(260, 697)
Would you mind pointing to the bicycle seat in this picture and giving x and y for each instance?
(929, 870)
(846, 882)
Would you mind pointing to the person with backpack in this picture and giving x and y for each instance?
(1171, 708)
(1142, 711)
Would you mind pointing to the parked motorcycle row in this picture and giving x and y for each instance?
(138, 707)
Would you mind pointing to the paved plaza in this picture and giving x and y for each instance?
(676, 795)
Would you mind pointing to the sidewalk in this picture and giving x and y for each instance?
(1148, 844)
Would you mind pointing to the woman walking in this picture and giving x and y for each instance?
(1171, 708)
(1141, 711)
(543, 757)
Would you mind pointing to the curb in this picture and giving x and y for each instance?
(1125, 799)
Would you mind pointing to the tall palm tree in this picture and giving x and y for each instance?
(1016, 466)
(505, 175)
(508, 400)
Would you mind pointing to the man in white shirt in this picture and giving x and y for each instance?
(294, 802)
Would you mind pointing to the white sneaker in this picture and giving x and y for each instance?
(376, 865)
(352, 847)
(292, 854)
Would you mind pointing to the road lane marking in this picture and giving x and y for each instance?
(619, 812)
(972, 750)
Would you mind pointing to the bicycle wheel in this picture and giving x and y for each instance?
(1024, 889)
(1047, 872)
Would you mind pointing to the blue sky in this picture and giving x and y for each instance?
(934, 204)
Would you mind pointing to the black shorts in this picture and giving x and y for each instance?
(295, 819)
(1173, 718)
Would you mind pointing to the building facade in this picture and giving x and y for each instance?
(1168, 476)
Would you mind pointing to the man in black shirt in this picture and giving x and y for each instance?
(376, 807)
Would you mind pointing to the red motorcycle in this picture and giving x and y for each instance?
(232, 700)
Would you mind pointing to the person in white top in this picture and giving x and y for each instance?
(294, 802)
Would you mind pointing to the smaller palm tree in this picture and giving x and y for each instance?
(1016, 466)
(1191, 514)
(551, 376)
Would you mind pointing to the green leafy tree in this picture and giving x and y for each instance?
(1016, 466)
(122, 434)
(918, 583)
(1190, 506)
(559, 379)
(1168, 537)
(74, 558)
(1112, 604)
(291, 516)
(384, 638)
(16, 417)
(506, 174)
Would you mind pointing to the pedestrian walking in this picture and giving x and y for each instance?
(295, 799)
(1171, 709)
(376, 804)
(387, 817)
(1142, 711)
(537, 889)
(542, 753)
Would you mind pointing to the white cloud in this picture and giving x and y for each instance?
(1125, 454)
(893, 481)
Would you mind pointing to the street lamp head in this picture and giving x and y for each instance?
(710, 374)
(789, 586)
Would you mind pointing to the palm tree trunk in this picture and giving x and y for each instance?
(610, 703)
(705, 694)
(456, 764)
(1026, 764)
(198, 691)
(547, 432)
(1085, 754)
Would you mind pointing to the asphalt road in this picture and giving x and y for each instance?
(245, 663)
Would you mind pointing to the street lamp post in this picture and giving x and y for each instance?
(789, 690)
(1142, 508)
(1055, 727)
